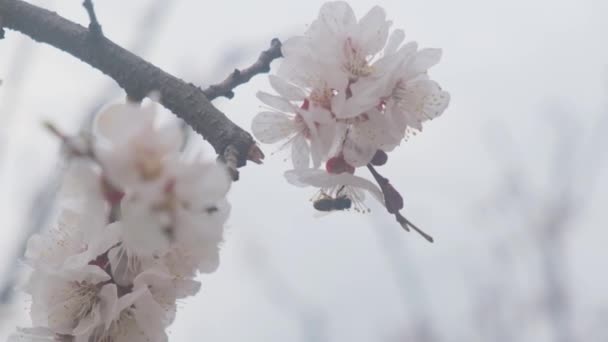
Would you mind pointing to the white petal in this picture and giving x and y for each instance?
(373, 30)
(423, 60)
(170, 138)
(337, 16)
(108, 301)
(421, 101)
(321, 179)
(201, 183)
(125, 265)
(285, 89)
(394, 40)
(149, 315)
(116, 122)
(271, 127)
(276, 102)
(358, 153)
(300, 152)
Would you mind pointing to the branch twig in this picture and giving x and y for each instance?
(238, 77)
(394, 203)
(136, 76)
(94, 26)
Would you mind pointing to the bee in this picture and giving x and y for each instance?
(328, 203)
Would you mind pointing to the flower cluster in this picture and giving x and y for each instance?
(136, 224)
(348, 92)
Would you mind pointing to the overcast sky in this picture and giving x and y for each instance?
(515, 70)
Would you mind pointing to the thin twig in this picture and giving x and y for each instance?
(394, 203)
(94, 26)
(135, 75)
(238, 77)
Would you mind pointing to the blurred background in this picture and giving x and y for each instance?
(510, 180)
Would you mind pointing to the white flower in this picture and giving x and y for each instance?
(177, 221)
(374, 89)
(307, 127)
(71, 301)
(143, 314)
(67, 244)
(131, 147)
(129, 323)
(176, 209)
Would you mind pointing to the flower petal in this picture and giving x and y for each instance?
(394, 41)
(271, 127)
(276, 102)
(300, 152)
(423, 60)
(337, 16)
(373, 30)
(321, 179)
(285, 89)
(358, 153)
(116, 122)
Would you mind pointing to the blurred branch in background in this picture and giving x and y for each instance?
(419, 325)
(40, 210)
(546, 216)
(19, 66)
(313, 321)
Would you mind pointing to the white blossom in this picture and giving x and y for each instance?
(136, 224)
(71, 301)
(368, 91)
(132, 147)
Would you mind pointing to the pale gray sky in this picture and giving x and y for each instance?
(510, 66)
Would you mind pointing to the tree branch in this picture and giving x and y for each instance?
(136, 76)
(238, 77)
(94, 26)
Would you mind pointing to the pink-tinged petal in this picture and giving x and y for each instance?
(358, 153)
(170, 138)
(286, 89)
(321, 179)
(373, 30)
(300, 152)
(87, 323)
(337, 16)
(186, 287)
(366, 98)
(295, 47)
(423, 100)
(423, 60)
(150, 315)
(108, 301)
(394, 41)
(435, 101)
(129, 299)
(201, 182)
(271, 127)
(276, 102)
(117, 122)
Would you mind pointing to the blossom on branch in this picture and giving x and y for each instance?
(349, 90)
(136, 224)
